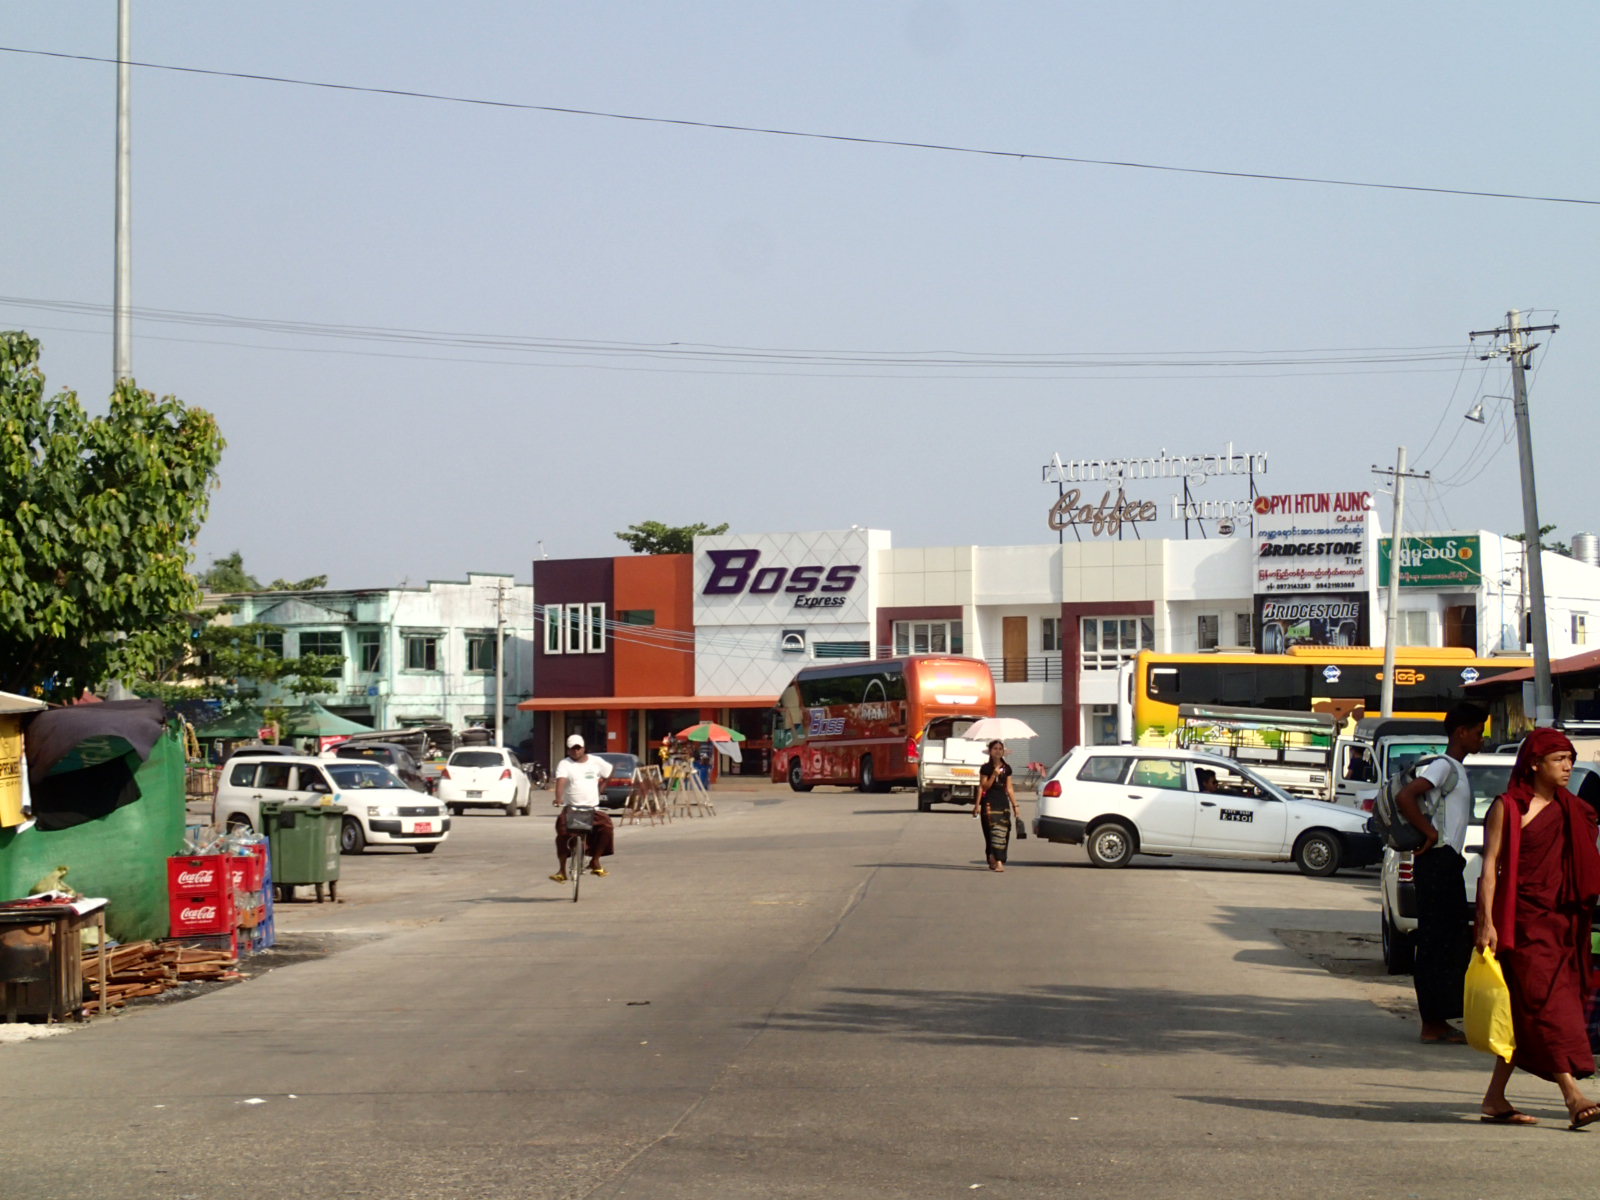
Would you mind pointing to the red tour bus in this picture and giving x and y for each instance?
(858, 724)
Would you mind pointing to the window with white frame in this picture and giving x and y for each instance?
(1108, 642)
(1050, 634)
(369, 650)
(1413, 628)
(422, 651)
(927, 637)
(1208, 631)
(480, 652)
(1580, 629)
(575, 628)
(1243, 634)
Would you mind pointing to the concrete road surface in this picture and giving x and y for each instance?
(802, 996)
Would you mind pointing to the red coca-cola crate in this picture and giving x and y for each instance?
(203, 914)
(248, 870)
(198, 875)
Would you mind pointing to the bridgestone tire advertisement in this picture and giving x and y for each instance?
(1310, 619)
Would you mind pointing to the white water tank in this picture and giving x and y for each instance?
(1586, 548)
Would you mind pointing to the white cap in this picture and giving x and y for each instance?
(575, 740)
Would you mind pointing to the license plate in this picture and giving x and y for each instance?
(474, 795)
(422, 827)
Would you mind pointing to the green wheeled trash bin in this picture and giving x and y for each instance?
(305, 846)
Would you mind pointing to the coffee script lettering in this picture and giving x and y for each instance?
(1108, 517)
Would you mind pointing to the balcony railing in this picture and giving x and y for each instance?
(1034, 668)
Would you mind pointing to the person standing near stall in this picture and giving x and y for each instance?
(1541, 875)
(996, 806)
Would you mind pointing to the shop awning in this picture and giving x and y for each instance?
(561, 703)
(1587, 661)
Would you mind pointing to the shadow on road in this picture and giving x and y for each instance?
(1389, 1112)
(1262, 1029)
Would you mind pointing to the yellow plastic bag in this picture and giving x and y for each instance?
(1486, 1007)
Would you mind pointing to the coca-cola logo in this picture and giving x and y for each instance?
(206, 912)
(739, 572)
(202, 878)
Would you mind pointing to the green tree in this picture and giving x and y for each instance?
(227, 574)
(652, 537)
(232, 662)
(97, 518)
(1555, 547)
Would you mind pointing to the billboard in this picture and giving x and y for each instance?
(1314, 619)
(1434, 562)
(1312, 542)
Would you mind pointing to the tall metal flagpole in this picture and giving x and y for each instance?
(122, 310)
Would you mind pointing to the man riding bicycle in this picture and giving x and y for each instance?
(578, 778)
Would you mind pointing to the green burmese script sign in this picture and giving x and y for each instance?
(1433, 562)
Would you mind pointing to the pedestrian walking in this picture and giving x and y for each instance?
(1541, 875)
(996, 806)
(1439, 804)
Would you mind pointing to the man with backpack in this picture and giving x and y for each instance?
(1438, 804)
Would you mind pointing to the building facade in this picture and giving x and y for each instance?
(412, 656)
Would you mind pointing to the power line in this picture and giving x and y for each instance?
(727, 127)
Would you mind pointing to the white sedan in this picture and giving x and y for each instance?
(1118, 801)
(485, 777)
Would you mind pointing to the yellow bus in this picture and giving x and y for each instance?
(1346, 681)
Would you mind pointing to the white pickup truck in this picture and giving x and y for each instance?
(947, 763)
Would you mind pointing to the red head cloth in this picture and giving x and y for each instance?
(1583, 859)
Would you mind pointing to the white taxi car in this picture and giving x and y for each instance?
(379, 808)
(1118, 801)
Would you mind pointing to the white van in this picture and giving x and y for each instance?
(379, 808)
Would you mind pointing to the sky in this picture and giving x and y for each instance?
(444, 337)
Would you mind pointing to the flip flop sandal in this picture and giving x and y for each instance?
(1510, 1116)
(1585, 1116)
(559, 877)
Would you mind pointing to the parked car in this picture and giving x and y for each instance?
(260, 751)
(1489, 775)
(615, 790)
(396, 757)
(485, 777)
(1118, 801)
(381, 809)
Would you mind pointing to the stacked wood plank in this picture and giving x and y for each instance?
(150, 968)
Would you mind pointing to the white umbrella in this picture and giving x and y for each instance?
(987, 729)
(731, 749)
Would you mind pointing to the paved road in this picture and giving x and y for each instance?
(804, 996)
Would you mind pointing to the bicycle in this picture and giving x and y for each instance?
(579, 824)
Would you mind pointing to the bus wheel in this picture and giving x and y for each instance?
(868, 781)
(797, 779)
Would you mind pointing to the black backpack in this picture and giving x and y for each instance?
(1386, 820)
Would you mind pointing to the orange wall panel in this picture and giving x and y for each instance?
(654, 660)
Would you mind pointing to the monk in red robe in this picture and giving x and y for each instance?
(1541, 874)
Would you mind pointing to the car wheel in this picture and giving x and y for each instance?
(238, 824)
(924, 801)
(797, 778)
(1399, 952)
(352, 838)
(457, 809)
(427, 847)
(1318, 853)
(511, 809)
(867, 780)
(1110, 845)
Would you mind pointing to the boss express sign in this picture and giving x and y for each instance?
(739, 573)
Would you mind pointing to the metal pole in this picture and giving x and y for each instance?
(122, 314)
(1392, 615)
(499, 667)
(1544, 711)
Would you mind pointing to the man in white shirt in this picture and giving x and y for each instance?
(578, 778)
(1438, 802)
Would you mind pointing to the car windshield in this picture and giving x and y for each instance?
(363, 775)
(1488, 782)
(1399, 755)
(477, 758)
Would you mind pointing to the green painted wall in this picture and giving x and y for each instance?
(122, 856)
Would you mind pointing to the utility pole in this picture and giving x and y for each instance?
(499, 665)
(122, 304)
(1392, 614)
(1519, 353)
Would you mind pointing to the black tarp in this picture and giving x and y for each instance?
(82, 759)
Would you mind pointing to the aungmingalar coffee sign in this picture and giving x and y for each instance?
(1311, 541)
(1434, 562)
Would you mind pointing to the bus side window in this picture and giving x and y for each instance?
(1164, 681)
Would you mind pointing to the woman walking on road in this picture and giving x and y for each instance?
(996, 805)
(1541, 874)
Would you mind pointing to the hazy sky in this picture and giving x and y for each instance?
(556, 248)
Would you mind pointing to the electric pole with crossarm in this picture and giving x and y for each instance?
(1519, 352)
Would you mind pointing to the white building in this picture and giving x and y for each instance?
(413, 656)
